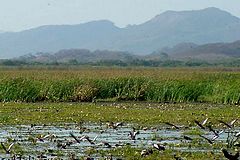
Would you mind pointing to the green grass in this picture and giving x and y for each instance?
(141, 114)
(142, 84)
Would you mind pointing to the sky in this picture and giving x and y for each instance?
(17, 15)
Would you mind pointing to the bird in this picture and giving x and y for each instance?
(230, 125)
(209, 140)
(237, 134)
(105, 144)
(64, 145)
(205, 121)
(201, 125)
(114, 125)
(133, 134)
(41, 156)
(146, 152)
(91, 141)
(237, 144)
(158, 147)
(212, 130)
(173, 125)
(230, 156)
(217, 135)
(187, 138)
(76, 139)
(233, 122)
(48, 136)
(7, 150)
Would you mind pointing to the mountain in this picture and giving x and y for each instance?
(92, 35)
(171, 28)
(211, 51)
(208, 25)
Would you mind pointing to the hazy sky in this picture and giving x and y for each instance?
(18, 15)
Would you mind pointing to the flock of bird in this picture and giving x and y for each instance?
(204, 125)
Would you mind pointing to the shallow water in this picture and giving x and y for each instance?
(25, 135)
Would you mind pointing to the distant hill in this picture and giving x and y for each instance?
(211, 51)
(209, 25)
(183, 51)
(78, 56)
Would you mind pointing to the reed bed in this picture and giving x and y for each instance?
(117, 84)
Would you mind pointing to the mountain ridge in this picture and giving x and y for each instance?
(170, 28)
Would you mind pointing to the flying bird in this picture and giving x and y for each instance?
(230, 125)
(146, 152)
(158, 147)
(187, 138)
(7, 150)
(208, 140)
(237, 134)
(230, 156)
(212, 130)
(201, 125)
(76, 139)
(133, 134)
(173, 125)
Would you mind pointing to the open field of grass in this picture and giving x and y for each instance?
(143, 84)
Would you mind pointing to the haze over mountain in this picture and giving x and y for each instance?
(209, 25)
